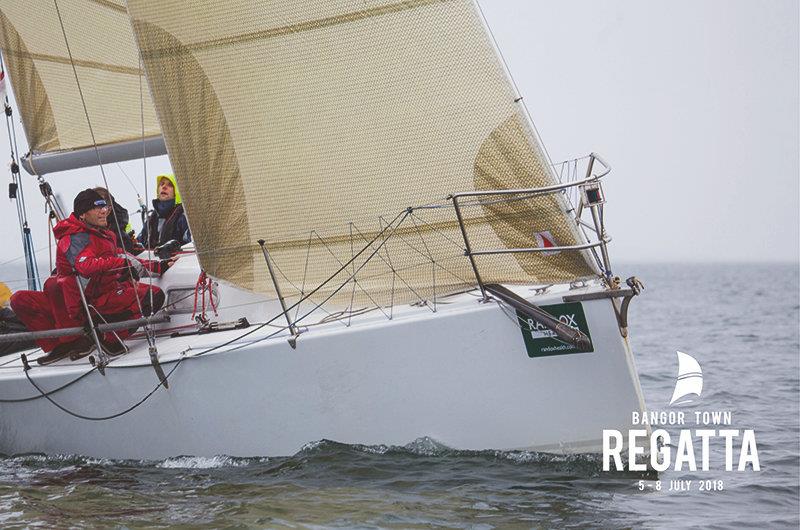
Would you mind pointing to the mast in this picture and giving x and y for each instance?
(16, 190)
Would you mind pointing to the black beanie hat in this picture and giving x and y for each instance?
(86, 200)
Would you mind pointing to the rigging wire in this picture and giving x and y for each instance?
(142, 203)
(49, 392)
(401, 217)
(150, 339)
(394, 225)
(519, 99)
(12, 260)
(17, 192)
(125, 174)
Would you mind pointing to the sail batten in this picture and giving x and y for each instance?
(320, 116)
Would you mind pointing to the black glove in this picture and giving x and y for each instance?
(168, 249)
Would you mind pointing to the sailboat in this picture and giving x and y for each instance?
(382, 249)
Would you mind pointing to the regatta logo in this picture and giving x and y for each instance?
(663, 450)
(690, 380)
(660, 449)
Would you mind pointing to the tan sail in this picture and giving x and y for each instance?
(107, 63)
(312, 124)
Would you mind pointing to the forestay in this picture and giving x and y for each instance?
(312, 124)
(108, 69)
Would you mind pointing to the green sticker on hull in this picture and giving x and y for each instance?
(541, 342)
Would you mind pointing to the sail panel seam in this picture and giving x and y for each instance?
(110, 5)
(296, 28)
(96, 65)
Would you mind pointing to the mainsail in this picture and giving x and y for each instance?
(107, 63)
(312, 124)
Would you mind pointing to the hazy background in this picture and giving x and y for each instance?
(693, 103)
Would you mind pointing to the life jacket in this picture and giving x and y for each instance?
(90, 254)
(175, 226)
(169, 230)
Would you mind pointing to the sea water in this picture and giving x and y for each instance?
(739, 321)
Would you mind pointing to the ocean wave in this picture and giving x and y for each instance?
(429, 447)
(207, 462)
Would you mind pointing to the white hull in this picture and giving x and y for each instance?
(461, 376)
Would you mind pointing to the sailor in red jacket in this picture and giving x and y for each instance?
(87, 250)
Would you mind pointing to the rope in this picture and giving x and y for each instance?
(102, 418)
(204, 284)
(51, 392)
(50, 218)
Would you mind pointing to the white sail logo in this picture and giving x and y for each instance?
(690, 379)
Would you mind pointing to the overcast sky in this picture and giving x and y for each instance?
(694, 103)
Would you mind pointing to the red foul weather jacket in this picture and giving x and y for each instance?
(91, 254)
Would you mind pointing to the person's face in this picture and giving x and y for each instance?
(166, 191)
(96, 216)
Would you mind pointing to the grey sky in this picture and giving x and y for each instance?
(693, 103)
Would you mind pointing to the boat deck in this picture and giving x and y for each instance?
(173, 348)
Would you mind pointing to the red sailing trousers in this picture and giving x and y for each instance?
(44, 311)
(122, 304)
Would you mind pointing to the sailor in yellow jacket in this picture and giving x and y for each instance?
(167, 220)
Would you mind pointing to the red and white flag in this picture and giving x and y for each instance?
(2, 85)
(545, 239)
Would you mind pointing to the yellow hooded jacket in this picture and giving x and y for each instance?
(170, 177)
(174, 227)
